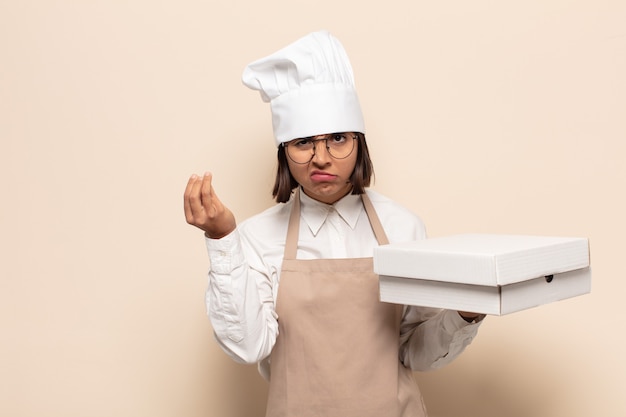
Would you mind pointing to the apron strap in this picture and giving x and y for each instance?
(293, 229)
(377, 227)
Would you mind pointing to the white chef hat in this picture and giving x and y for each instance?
(310, 87)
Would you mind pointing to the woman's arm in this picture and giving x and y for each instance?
(239, 298)
(240, 302)
(432, 338)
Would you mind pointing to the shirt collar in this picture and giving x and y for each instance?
(315, 212)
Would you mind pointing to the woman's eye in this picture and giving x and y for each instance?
(339, 138)
(302, 142)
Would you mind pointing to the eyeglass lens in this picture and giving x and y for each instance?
(339, 146)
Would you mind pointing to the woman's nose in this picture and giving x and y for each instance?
(321, 151)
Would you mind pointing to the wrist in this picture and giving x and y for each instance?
(218, 234)
(469, 317)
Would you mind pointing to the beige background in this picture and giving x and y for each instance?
(483, 116)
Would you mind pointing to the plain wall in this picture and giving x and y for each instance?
(482, 116)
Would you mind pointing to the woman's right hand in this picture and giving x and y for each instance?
(204, 210)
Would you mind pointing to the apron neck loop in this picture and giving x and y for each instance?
(291, 243)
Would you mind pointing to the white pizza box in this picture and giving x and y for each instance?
(483, 273)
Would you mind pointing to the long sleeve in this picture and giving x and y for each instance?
(432, 338)
(240, 302)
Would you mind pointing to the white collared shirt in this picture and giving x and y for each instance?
(245, 267)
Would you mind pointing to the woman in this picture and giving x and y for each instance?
(293, 288)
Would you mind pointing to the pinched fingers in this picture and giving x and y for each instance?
(204, 210)
(193, 200)
(207, 194)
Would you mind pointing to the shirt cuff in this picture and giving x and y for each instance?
(225, 254)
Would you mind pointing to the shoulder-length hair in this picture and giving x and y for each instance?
(360, 178)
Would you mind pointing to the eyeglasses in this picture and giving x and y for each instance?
(338, 145)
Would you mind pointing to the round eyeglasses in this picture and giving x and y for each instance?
(338, 145)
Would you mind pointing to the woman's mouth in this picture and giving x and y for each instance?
(321, 176)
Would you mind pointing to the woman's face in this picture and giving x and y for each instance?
(325, 178)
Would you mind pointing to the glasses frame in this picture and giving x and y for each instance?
(314, 149)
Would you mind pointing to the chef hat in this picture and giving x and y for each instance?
(310, 87)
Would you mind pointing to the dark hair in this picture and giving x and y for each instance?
(360, 178)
